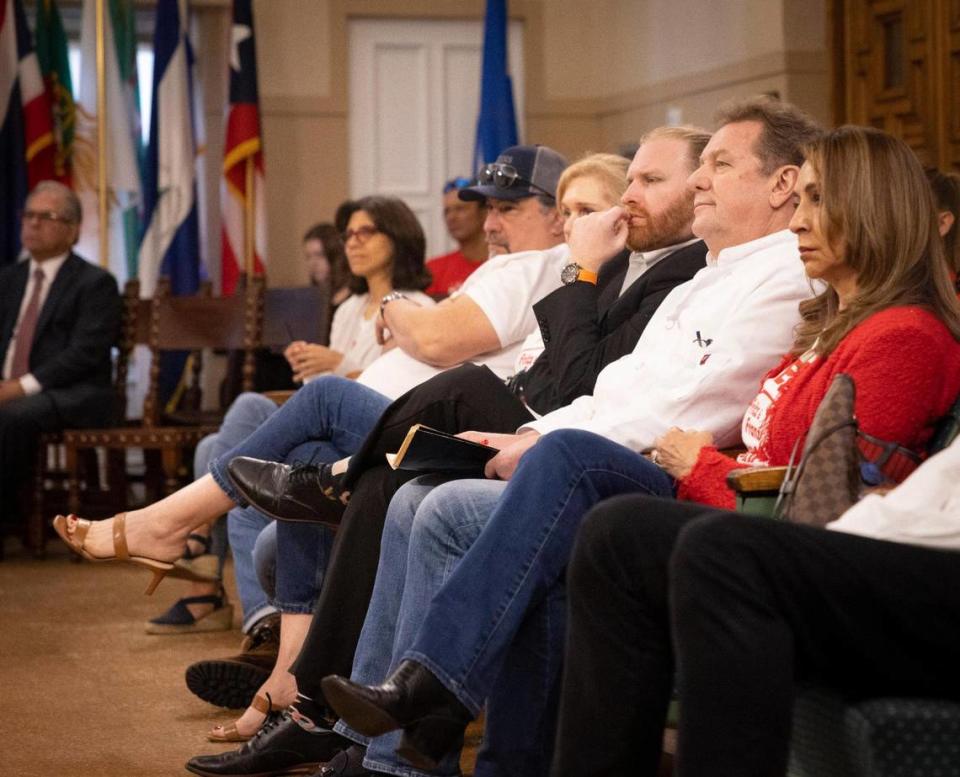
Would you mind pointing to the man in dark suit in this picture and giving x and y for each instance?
(593, 319)
(59, 317)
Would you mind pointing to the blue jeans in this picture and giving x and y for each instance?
(499, 617)
(305, 548)
(244, 416)
(417, 520)
(324, 421)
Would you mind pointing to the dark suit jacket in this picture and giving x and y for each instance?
(78, 325)
(586, 327)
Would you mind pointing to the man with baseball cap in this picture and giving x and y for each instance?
(520, 192)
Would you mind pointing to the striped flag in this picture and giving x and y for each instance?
(171, 244)
(55, 66)
(123, 138)
(497, 122)
(26, 132)
(242, 157)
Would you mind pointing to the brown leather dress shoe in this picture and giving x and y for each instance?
(233, 682)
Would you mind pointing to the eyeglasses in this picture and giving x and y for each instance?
(505, 176)
(456, 183)
(362, 234)
(43, 216)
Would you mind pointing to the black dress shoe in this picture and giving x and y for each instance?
(412, 698)
(346, 763)
(285, 492)
(281, 746)
(233, 682)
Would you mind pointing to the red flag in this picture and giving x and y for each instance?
(26, 124)
(242, 157)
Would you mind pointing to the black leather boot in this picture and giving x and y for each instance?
(412, 698)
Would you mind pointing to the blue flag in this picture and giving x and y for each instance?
(171, 242)
(497, 123)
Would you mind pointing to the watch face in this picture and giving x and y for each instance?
(569, 273)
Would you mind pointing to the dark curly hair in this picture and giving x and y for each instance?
(393, 217)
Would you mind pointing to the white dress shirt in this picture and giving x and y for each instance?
(50, 268)
(699, 361)
(923, 510)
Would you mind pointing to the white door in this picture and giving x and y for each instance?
(414, 98)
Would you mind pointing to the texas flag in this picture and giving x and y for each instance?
(244, 219)
(27, 146)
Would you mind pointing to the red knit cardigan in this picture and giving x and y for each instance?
(906, 367)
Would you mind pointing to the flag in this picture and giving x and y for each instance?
(170, 244)
(497, 122)
(243, 149)
(55, 67)
(26, 132)
(123, 138)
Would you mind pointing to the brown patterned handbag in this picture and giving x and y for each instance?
(827, 480)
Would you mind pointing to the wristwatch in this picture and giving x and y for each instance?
(390, 297)
(573, 272)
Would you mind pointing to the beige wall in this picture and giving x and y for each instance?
(599, 73)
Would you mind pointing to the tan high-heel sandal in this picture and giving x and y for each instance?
(75, 540)
(229, 733)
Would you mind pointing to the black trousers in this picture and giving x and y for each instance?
(22, 421)
(468, 397)
(753, 608)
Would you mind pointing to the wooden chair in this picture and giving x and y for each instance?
(191, 324)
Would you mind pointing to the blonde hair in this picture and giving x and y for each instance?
(609, 169)
(878, 205)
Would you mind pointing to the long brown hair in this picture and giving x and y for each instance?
(878, 205)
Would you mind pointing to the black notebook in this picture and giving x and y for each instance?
(430, 450)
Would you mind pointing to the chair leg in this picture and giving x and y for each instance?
(170, 460)
(36, 527)
(73, 481)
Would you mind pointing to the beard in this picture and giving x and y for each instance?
(670, 226)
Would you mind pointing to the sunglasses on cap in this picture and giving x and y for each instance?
(505, 176)
(456, 184)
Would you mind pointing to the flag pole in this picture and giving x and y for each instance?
(102, 197)
(249, 223)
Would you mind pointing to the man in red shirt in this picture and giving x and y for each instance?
(464, 222)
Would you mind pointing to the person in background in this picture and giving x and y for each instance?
(464, 221)
(59, 317)
(326, 261)
(946, 193)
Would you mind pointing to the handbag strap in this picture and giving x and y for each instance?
(885, 459)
